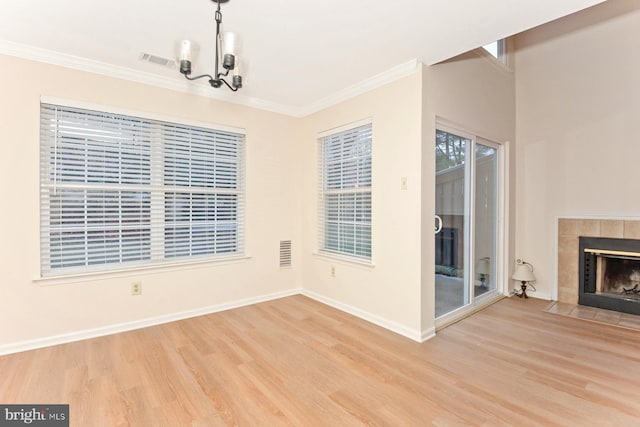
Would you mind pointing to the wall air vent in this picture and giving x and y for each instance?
(285, 253)
(158, 60)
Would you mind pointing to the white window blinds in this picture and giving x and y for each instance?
(345, 193)
(120, 191)
(202, 201)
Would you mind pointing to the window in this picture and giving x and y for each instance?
(345, 192)
(492, 48)
(120, 191)
(498, 50)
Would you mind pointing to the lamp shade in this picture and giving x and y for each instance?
(483, 266)
(230, 43)
(523, 273)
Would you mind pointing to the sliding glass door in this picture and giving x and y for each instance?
(466, 243)
(452, 213)
(485, 218)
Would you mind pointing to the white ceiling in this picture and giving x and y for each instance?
(299, 54)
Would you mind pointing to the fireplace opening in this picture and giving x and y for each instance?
(620, 276)
(610, 274)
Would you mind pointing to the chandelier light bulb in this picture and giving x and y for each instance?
(229, 43)
(185, 50)
(236, 79)
(237, 69)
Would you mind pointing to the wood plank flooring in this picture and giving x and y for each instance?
(297, 362)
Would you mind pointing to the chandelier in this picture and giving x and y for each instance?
(225, 54)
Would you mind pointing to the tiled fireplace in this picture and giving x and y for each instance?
(569, 232)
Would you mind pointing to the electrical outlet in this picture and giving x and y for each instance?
(136, 288)
(333, 271)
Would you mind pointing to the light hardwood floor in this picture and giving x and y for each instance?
(297, 362)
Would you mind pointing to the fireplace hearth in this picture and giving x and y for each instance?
(609, 270)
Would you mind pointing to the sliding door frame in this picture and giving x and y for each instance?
(475, 303)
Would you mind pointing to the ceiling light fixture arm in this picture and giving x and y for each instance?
(198, 77)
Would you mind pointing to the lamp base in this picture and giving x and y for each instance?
(523, 294)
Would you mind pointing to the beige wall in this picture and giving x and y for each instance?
(30, 311)
(397, 291)
(389, 291)
(476, 95)
(578, 100)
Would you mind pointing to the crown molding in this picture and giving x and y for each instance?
(102, 68)
(83, 64)
(399, 71)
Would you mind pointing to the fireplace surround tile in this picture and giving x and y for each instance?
(588, 227)
(607, 316)
(600, 315)
(569, 230)
(583, 312)
(567, 294)
(632, 229)
(612, 228)
(567, 227)
(567, 250)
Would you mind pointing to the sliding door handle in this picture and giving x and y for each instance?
(438, 227)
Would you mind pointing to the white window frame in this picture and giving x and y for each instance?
(361, 192)
(197, 186)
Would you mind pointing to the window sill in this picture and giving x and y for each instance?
(368, 264)
(135, 271)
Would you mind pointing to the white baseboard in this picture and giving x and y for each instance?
(428, 334)
(415, 335)
(137, 324)
(534, 294)
(540, 295)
